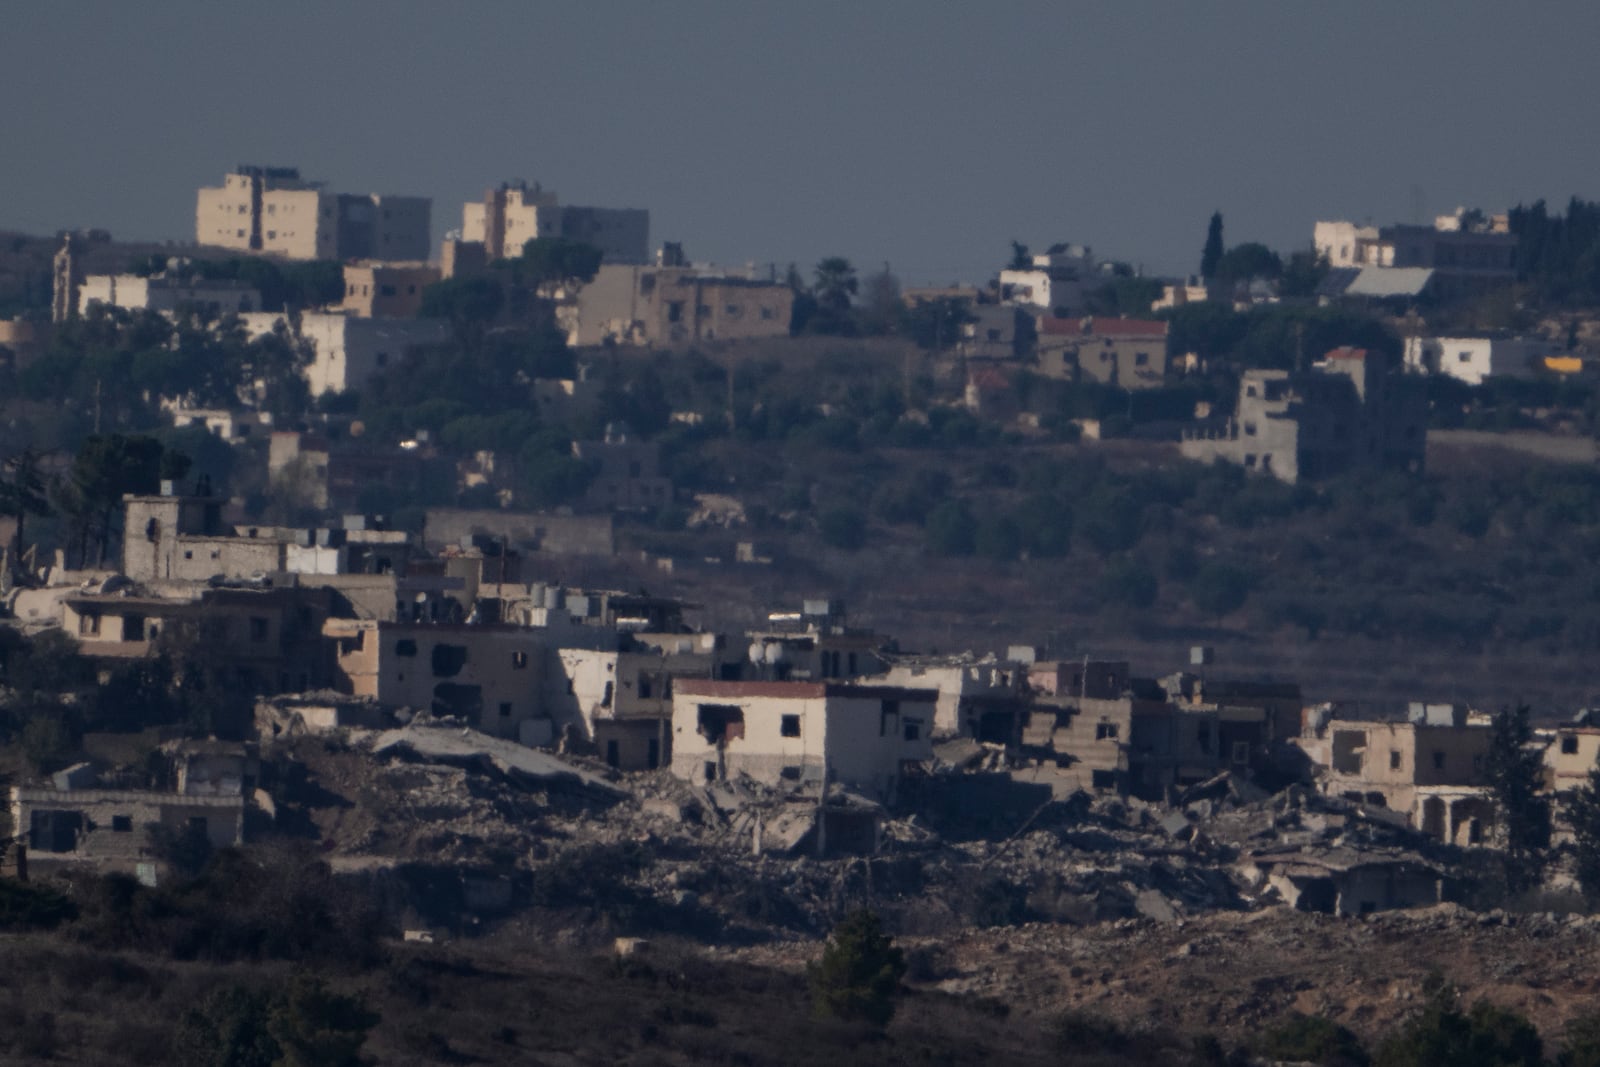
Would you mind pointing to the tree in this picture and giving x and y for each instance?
(1249, 260)
(1211, 256)
(315, 1027)
(1219, 588)
(1582, 811)
(1581, 1042)
(951, 530)
(859, 974)
(843, 527)
(1514, 770)
(834, 287)
(1312, 1039)
(469, 303)
(228, 1027)
(1020, 260)
(1486, 1036)
(22, 493)
(558, 261)
(881, 308)
(107, 467)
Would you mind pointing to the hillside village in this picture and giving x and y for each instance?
(313, 533)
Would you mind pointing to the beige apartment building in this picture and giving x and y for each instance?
(386, 290)
(648, 306)
(515, 213)
(272, 210)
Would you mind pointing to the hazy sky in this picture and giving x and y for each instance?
(920, 133)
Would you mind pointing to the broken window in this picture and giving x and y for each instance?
(448, 660)
(1103, 779)
(613, 755)
(505, 710)
(605, 698)
(789, 726)
(1203, 737)
(644, 687)
(889, 709)
(720, 723)
(1241, 752)
(89, 624)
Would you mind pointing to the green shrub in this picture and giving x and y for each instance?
(858, 976)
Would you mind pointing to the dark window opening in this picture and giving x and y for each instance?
(1569, 745)
(789, 726)
(448, 660)
(122, 824)
(404, 647)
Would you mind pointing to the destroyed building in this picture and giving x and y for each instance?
(1429, 768)
(859, 736)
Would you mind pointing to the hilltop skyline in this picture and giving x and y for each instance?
(763, 134)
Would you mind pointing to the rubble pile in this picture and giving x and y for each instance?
(743, 862)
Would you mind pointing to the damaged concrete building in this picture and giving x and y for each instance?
(859, 736)
(1344, 881)
(1429, 768)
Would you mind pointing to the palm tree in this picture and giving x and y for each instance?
(835, 284)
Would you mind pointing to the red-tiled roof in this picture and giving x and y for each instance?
(1097, 327)
(1346, 352)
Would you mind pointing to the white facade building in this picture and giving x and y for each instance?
(132, 292)
(1472, 359)
(352, 350)
(858, 736)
